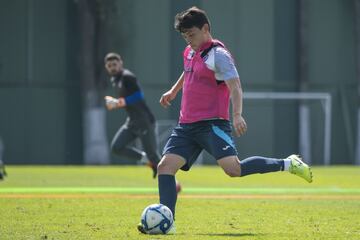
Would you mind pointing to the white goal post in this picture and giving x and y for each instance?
(164, 127)
(325, 99)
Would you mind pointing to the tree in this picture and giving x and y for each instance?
(92, 26)
(357, 37)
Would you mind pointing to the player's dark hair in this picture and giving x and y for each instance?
(112, 56)
(192, 17)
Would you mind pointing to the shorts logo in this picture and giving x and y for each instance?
(226, 148)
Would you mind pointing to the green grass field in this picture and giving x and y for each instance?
(106, 203)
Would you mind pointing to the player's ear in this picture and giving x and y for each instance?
(206, 28)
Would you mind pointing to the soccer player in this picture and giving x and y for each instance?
(2, 170)
(208, 81)
(2, 165)
(140, 122)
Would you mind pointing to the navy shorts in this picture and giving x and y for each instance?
(189, 139)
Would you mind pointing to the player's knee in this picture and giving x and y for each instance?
(231, 166)
(232, 172)
(165, 167)
(115, 148)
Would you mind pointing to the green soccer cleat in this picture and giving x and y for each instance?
(299, 168)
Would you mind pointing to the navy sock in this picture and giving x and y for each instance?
(167, 191)
(257, 164)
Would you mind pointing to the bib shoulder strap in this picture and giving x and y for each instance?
(207, 50)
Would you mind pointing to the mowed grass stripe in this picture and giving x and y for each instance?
(142, 190)
(186, 196)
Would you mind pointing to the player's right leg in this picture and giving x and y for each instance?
(167, 168)
(180, 151)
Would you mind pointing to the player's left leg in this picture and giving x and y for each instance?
(252, 165)
(218, 141)
(233, 167)
(149, 143)
(120, 144)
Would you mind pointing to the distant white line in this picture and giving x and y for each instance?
(185, 196)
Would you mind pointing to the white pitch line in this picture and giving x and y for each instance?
(136, 190)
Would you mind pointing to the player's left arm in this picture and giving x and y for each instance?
(236, 94)
(225, 70)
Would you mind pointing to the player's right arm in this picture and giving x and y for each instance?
(167, 97)
(114, 103)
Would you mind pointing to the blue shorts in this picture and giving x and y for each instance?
(189, 139)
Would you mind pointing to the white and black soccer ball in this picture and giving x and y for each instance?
(157, 219)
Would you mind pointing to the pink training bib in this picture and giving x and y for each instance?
(202, 97)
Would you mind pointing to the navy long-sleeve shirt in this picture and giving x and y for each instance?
(127, 87)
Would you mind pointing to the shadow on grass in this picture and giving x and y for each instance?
(229, 234)
(206, 234)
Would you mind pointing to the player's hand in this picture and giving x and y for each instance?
(113, 103)
(239, 125)
(166, 98)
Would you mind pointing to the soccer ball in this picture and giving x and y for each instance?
(157, 219)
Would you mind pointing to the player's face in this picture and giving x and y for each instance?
(195, 37)
(113, 67)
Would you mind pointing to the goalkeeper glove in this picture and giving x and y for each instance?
(113, 103)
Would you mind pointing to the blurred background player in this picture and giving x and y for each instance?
(140, 122)
(2, 165)
(208, 81)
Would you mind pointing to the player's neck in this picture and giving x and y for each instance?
(208, 38)
(206, 41)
